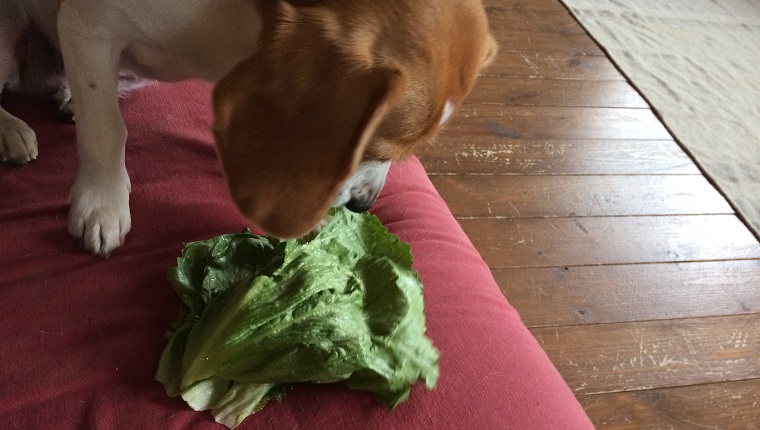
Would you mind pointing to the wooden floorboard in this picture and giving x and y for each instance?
(518, 91)
(629, 268)
(514, 40)
(608, 358)
(724, 406)
(528, 19)
(552, 65)
(564, 296)
(572, 196)
(465, 154)
(548, 242)
(557, 122)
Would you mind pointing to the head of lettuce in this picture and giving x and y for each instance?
(259, 314)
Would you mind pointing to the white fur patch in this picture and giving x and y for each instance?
(365, 184)
(447, 111)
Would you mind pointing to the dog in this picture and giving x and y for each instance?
(313, 99)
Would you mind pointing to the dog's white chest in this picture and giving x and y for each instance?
(201, 42)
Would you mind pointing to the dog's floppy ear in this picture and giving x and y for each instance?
(291, 125)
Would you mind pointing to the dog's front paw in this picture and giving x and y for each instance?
(99, 215)
(18, 143)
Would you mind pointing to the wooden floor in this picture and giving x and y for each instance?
(625, 263)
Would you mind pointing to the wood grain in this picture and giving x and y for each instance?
(547, 242)
(570, 196)
(724, 406)
(558, 296)
(493, 155)
(606, 358)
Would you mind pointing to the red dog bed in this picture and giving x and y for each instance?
(80, 338)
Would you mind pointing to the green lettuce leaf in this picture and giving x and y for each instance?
(260, 314)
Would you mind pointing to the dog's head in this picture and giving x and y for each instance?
(337, 90)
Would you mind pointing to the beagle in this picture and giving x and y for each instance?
(313, 98)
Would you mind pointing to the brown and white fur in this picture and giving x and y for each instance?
(313, 98)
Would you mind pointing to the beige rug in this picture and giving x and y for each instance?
(698, 64)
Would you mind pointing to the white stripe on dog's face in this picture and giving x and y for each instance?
(447, 111)
(362, 189)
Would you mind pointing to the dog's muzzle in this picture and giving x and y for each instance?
(361, 190)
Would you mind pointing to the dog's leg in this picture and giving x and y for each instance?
(99, 213)
(18, 143)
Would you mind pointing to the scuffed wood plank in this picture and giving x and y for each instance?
(550, 242)
(607, 358)
(534, 6)
(549, 123)
(556, 92)
(724, 406)
(560, 296)
(569, 196)
(515, 16)
(483, 155)
(540, 25)
(553, 65)
(513, 40)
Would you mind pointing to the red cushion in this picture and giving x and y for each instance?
(80, 338)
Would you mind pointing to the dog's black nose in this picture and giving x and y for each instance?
(358, 206)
